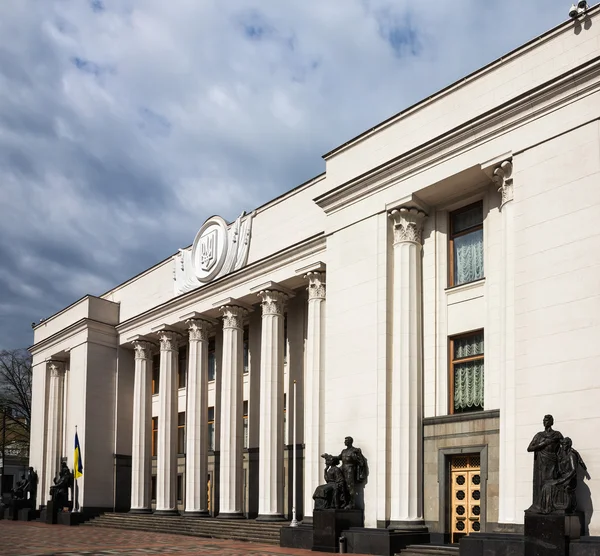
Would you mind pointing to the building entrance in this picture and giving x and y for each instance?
(465, 495)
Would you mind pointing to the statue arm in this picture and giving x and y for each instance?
(537, 444)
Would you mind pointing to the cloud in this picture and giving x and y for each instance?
(124, 124)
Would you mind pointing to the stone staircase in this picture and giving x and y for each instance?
(236, 529)
(429, 550)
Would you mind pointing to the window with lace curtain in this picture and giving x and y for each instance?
(467, 372)
(466, 244)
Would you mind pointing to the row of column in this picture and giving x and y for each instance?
(271, 433)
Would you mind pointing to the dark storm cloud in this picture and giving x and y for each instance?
(124, 123)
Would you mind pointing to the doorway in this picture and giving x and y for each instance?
(465, 495)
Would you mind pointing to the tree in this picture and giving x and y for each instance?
(15, 399)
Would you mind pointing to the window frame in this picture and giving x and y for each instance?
(212, 352)
(246, 425)
(452, 236)
(181, 431)
(154, 437)
(182, 370)
(208, 425)
(452, 362)
(155, 374)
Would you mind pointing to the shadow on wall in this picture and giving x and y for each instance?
(583, 495)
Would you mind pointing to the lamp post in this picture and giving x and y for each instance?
(3, 453)
(294, 522)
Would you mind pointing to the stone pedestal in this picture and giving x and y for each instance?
(297, 537)
(498, 544)
(383, 542)
(27, 514)
(70, 518)
(328, 526)
(549, 535)
(51, 512)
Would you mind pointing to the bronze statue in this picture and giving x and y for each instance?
(59, 492)
(32, 485)
(334, 493)
(354, 468)
(545, 446)
(558, 495)
(18, 493)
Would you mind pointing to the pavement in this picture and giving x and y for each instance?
(19, 538)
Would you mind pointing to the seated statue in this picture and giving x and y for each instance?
(18, 493)
(558, 495)
(59, 492)
(334, 493)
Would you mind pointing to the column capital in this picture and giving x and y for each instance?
(57, 368)
(233, 316)
(408, 225)
(273, 302)
(502, 177)
(316, 285)
(169, 340)
(143, 349)
(199, 329)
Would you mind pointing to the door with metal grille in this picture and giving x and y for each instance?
(465, 495)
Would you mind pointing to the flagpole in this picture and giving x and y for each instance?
(75, 497)
(294, 522)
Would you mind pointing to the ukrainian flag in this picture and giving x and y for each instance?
(77, 458)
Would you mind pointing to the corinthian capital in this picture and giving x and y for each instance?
(273, 302)
(143, 349)
(233, 316)
(502, 177)
(316, 285)
(408, 225)
(198, 329)
(169, 340)
(57, 368)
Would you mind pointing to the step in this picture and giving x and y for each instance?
(242, 530)
(429, 550)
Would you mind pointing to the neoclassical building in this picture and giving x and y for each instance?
(433, 294)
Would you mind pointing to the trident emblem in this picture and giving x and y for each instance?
(208, 250)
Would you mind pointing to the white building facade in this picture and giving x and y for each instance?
(434, 293)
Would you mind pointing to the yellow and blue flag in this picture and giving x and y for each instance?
(78, 458)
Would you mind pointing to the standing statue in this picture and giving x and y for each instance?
(32, 485)
(354, 468)
(545, 446)
(334, 493)
(18, 493)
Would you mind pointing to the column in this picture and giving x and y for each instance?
(315, 359)
(507, 503)
(166, 461)
(54, 433)
(270, 455)
(232, 434)
(406, 473)
(141, 446)
(196, 443)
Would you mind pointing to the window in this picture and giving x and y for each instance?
(155, 373)
(153, 488)
(211, 428)
(246, 424)
(466, 372)
(182, 367)
(154, 435)
(212, 360)
(181, 433)
(180, 488)
(246, 350)
(466, 245)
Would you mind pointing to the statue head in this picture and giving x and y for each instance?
(348, 441)
(548, 421)
(566, 443)
(330, 460)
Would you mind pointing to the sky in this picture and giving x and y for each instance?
(124, 124)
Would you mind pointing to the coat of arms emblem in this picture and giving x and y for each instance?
(208, 250)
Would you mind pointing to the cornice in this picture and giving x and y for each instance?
(311, 246)
(70, 331)
(518, 111)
